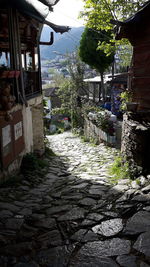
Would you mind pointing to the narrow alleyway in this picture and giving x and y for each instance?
(75, 217)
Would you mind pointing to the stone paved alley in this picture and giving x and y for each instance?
(74, 217)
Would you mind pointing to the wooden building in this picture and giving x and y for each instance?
(137, 30)
(136, 129)
(52, 96)
(114, 86)
(21, 108)
(93, 89)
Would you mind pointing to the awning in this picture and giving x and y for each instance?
(93, 80)
(97, 79)
(39, 10)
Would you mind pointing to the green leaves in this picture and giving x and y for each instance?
(107, 48)
(70, 89)
(90, 49)
(97, 15)
(119, 170)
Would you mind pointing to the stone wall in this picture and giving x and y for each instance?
(135, 145)
(93, 132)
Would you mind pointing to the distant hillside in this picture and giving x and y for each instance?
(63, 43)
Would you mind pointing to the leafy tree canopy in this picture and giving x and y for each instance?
(98, 13)
(90, 54)
(70, 89)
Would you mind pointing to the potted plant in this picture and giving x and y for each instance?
(126, 101)
(6, 72)
(104, 122)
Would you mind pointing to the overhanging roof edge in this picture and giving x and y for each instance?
(57, 28)
(49, 3)
(39, 10)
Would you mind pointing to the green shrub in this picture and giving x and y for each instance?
(62, 111)
(85, 139)
(104, 123)
(60, 130)
(94, 141)
(125, 96)
(49, 152)
(31, 163)
(12, 181)
(90, 108)
(119, 170)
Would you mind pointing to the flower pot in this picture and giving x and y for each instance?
(3, 74)
(11, 74)
(132, 106)
(17, 73)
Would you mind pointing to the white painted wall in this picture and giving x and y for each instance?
(28, 128)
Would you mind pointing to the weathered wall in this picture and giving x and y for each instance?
(28, 131)
(12, 145)
(30, 139)
(38, 132)
(12, 168)
(95, 133)
(55, 102)
(33, 125)
(35, 121)
(139, 73)
(135, 145)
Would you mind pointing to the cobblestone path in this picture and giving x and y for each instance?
(74, 217)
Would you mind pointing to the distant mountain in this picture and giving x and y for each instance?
(63, 43)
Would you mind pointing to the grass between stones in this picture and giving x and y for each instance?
(32, 169)
(118, 170)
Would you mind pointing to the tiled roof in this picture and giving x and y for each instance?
(37, 9)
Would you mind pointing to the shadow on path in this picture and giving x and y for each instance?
(74, 217)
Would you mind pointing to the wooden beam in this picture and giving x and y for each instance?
(116, 22)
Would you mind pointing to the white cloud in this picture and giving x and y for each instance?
(66, 12)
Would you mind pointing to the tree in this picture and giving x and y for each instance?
(123, 57)
(76, 69)
(64, 93)
(99, 13)
(70, 89)
(92, 56)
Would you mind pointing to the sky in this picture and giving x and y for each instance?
(66, 13)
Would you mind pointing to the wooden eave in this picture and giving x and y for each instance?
(28, 28)
(135, 26)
